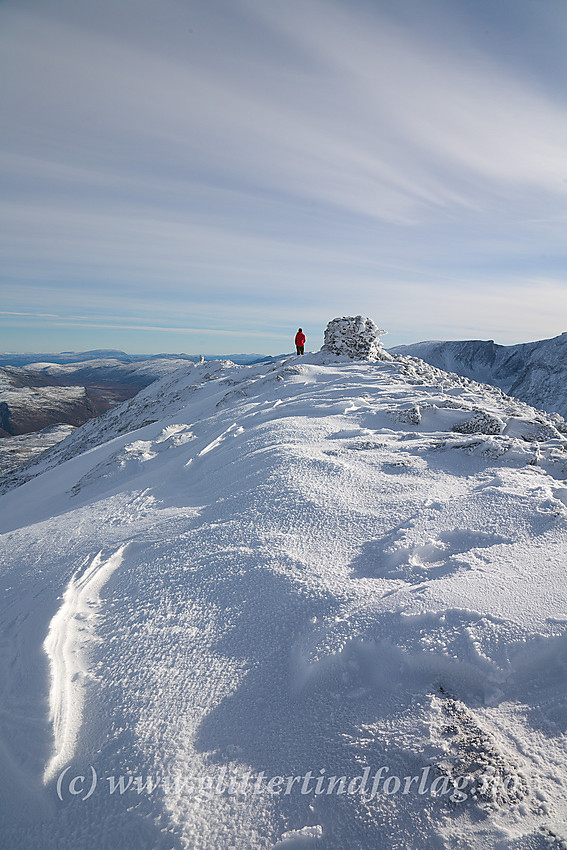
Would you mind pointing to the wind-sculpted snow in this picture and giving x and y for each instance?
(340, 621)
(66, 646)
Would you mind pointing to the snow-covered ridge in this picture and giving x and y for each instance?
(141, 373)
(225, 381)
(336, 565)
(535, 372)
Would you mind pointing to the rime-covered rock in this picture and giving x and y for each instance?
(480, 423)
(356, 337)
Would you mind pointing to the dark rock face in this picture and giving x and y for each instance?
(356, 337)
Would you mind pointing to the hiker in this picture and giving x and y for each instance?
(300, 341)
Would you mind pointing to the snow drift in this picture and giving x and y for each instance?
(318, 602)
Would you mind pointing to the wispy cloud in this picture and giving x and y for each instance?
(267, 161)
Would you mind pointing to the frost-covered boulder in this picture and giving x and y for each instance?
(481, 423)
(356, 337)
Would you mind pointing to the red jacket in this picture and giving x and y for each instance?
(300, 338)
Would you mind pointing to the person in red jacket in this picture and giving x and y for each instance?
(300, 341)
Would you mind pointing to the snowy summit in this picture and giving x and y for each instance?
(312, 603)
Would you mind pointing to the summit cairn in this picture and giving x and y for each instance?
(356, 337)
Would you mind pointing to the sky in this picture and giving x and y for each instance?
(204, 176)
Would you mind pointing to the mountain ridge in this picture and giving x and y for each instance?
(322, 567)
(535, 372)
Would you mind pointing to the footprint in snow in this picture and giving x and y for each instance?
(393, 557)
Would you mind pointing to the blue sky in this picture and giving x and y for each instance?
(206, 175)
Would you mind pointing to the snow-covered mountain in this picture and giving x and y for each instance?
(139, 374)
(73, 357)
(43, 394)
(29, 402)
(535, 372)
(312, 603)
(43, 399)
(23, 449)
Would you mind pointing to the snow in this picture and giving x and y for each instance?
(108, 369)
(36, 404)
(69, 630)
(534, 372)
(15, 451)
(250, 581)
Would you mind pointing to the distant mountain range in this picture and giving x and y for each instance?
(64, 357)
(534, 372)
